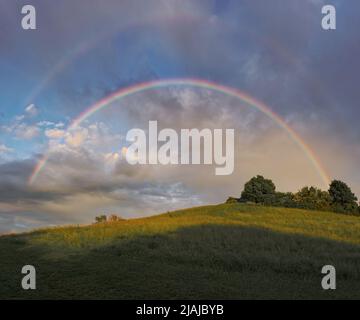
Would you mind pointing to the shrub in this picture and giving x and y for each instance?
(100, 219)
(232, 200)
(114, 218)
(284, 199)
(312, 198)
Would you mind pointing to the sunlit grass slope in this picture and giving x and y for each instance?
(228, 251)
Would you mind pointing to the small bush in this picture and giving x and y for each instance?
(100, 219)
(114, 218)
(232, 200)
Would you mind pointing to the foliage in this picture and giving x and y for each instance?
(339, 198)
(100, 219)
(284, 199)
(313, 198)
(114, 218)
(232, 200)
(258, 190)
(342, 198)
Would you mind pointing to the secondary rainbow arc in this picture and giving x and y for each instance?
(198, 83)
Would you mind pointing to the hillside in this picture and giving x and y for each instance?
(229, 251)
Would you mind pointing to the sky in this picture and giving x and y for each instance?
(82, 51)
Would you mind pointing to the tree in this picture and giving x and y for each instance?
(100, 219)
(313, 198)
(258, 190)
(342, 198)
(114, 218)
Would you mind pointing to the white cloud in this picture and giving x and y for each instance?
(55, 133)
(59, 125)
(4, 149)
(76, 137)
(31, 110)
(27, 132)
(22, 126)
(19, 118)
(45, 123)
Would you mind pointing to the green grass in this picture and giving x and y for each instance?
(228, 251)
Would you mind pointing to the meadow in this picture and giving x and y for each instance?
(227, 251)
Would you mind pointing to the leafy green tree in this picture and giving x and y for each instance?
(313, 198)
(342, 198)
(258, 190)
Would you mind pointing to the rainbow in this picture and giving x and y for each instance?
(197, 83)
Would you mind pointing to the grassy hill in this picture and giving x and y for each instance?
(228, 251)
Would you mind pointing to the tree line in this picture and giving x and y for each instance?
(338, 198)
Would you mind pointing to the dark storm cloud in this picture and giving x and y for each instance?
(303, 69)
(13, 184)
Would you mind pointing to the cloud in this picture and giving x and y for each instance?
(4, 149)
(22, 130)
(22, 126)
(27, 132)
(86, 173)
(45, 123)
(31, 110)
(21, 222)
(76, 138)
(55, 133)
(59, 125)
